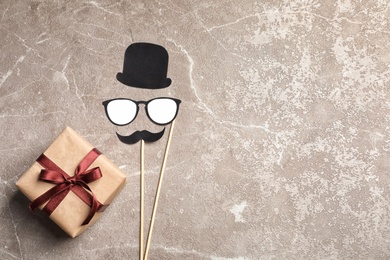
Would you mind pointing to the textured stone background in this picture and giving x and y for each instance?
(281, 148)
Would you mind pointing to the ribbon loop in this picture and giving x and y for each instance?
(65, 183)
(51, 176)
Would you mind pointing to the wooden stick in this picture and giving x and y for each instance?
(141, 235)
(158, 192)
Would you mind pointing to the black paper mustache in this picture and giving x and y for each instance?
(141, 135)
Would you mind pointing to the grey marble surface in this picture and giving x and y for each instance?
(281, 149)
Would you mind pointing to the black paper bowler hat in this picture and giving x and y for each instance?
(145, 66)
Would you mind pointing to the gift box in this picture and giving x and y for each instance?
(72, 182)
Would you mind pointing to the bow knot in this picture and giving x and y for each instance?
(72, 181)
(78, 183)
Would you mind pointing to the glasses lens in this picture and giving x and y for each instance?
(162, 110)
(121, 111)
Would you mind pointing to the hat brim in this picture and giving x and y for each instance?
(149, 84)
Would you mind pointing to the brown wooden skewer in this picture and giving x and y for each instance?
(141, 235)
(158, 192)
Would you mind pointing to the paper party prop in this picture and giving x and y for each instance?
(161, 110)
(122, 111)
(145, 66)
(143, 135)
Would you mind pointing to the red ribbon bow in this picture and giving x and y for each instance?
(65, 183)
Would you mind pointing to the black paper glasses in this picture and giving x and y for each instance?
(161, 110)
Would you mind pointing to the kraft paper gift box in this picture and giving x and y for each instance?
(66, 152)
